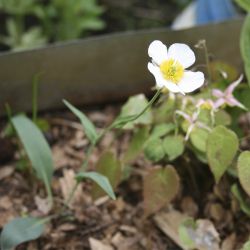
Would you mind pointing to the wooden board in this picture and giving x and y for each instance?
(104, 68)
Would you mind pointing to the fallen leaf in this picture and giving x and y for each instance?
(67, 183)
(98, 245)
(160, 186)
(189, 207)
(7, 211)
(43, 205)
(202, 234)
(229, 242)
(169, 223)
(5, 172)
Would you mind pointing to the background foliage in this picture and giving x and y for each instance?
(33, 23)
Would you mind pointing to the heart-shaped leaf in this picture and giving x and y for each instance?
(198, 138)
(160, 186)
(173, 146)
(89, 127)
(243, 166)
(20, 230)
(100, 179)
(162, 129)
(134, 106)
(222, 118)
(244, 205)
(136, 144)
(222, 145)
(153, 149)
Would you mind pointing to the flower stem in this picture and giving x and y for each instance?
(207, 62)
(121, 122)
(101, 135)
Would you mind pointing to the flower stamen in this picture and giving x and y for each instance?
(172, 70)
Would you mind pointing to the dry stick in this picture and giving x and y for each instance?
(207, 62)
(103, 133)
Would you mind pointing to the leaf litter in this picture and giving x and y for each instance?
(120, 224)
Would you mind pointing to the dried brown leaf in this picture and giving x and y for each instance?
(67, 183)
(229, 242)
(98, 245)
(169, 223)
(5, 172)
(205, 236)
(43, 205)
(160, 186)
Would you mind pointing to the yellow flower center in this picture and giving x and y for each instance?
(206, 105)
(172, 70)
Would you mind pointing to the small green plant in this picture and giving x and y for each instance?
(178, 133)
(55, 20)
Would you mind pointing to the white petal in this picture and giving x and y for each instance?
(160, 81)
(157, 51)
(191, 81)
(182, 53)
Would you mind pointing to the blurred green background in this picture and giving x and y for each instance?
(28, 24)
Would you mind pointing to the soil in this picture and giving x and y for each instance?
(103, 223)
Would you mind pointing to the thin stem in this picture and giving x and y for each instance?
(34, 96)
(113, 125)
(71, 194)
(207, 61)
(8, 111)
(134, 117)
(49, 192)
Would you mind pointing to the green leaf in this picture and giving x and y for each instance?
(222, 118)
(108, 165)
(205, 116)
(184, 233)
(198, 138)
(245, 45)
(20, 230)
(162, 129)
(243, 166)
(134, 106)
(244, 206)
(246, 246)
(87, 124)
(36, 148)
(42, 124)
(136, 145)
(222, 145)
(244, 4)
(173, 146)
(153, 149)
(165, 112)
(100, 179)
(160, 186)
(201, 156)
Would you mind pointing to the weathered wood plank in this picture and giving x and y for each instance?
(104, 68)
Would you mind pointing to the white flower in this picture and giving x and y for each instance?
(168, 67)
